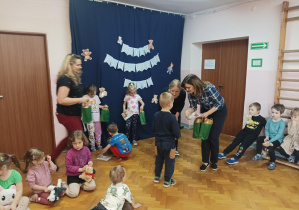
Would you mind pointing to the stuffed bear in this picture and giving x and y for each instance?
(7, 196)
(103, 93)
(86, 55)
(55, 191)
(150, 46)
(155, 99)
(120, 41)
(87, 175)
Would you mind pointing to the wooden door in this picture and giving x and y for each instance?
(229, 77)
(26, 116)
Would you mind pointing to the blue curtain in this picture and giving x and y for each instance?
(97, 25)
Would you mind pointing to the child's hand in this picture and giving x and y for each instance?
(266, 139)
(82, 169)
(124, 111)
(46, 189)
(48, 158)
(90, 163)
(105, 106)
(136, 205)
(12, 206)
(141, 108)
(100, 155)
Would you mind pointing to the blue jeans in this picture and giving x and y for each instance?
(163, 151)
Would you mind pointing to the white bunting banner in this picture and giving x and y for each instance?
(135, 52)
(140, 84)
(131, 67)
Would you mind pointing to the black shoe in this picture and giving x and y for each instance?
(214, 166)
(204, 167)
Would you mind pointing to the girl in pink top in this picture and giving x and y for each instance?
(39, 175)
(131, 101)
(76, 161)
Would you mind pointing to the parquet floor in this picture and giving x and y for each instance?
(247, 185)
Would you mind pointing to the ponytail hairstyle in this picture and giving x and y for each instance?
(132, 90)
(31, 155)
(6, 159)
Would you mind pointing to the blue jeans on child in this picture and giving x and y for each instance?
(163, 151)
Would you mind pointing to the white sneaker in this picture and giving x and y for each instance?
(135, 142)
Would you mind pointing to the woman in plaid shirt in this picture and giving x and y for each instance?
(213, 106)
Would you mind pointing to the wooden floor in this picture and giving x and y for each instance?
(247, 185)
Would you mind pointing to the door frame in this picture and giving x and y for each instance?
(202, 64)
(47, 72)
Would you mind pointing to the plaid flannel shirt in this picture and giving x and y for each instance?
(210, 98)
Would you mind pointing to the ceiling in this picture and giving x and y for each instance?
(182, 6)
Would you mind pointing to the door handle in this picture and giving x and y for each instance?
(220, 87)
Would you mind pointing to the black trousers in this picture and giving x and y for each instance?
(211, 145)
(260, 141)
(244, 139)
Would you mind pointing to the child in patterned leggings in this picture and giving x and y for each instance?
(131, 101)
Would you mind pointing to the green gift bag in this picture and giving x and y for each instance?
(142, 118)
(196, 128)
(86, 114)
(105, 115)
(205, 129)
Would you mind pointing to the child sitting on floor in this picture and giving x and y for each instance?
(76, 161)
(274, 132)
(119, 144)
(39, 175)
(118, 195)
(246, 136)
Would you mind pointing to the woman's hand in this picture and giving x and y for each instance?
(189, 112)
(84, 100)
(204, 115)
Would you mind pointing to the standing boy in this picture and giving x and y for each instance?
(166, 131)
(274, 132)
(247, 136)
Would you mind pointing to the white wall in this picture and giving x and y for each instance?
(260, 21)
(43, 16)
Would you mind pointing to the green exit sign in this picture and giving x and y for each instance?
(259, 45)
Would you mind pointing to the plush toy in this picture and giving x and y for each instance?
(150, 46)
(267, 144)
(55, 191)
(169, 69)
(120, 41)
(103, 93)
(87, 175)
(249, 120)
(86, 54)
(155, 99)
(7, 196)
